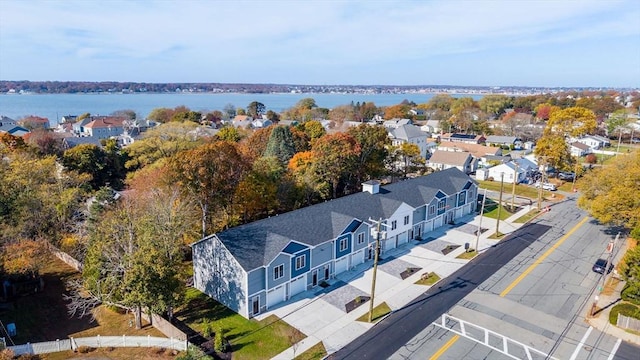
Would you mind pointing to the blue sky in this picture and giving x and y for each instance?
(439, 42)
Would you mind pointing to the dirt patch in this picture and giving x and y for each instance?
(355, 303)
(410, 271)
(449, 248)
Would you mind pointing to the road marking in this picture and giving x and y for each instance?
(445, 347)
(581, 344)
(541, 258)
(614, 350)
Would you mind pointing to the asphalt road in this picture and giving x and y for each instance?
(544, 309)
(399, 328)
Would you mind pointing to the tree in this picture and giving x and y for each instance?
(240, 111)
(440, 102)
(544, 111)
(161, 115)
(255, 109)
(373, 142)
(311, 187)
(46, 142)
(210, 174)
(87, 159)
(257, 194)
(336, 155)
(495, 104)
(23, 257)
(410, 158)
(229, 133)
(273, 116)
(126, 113)
(254, 145)
(611, 194)
(161, 142)
(281, 144)
(553, 150)
(630, 271)
(573, 121)
(396, 112)
(132, 260)
(313, 129)
(616, 123)
(229, 110)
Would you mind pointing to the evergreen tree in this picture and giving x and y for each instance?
(281, 144)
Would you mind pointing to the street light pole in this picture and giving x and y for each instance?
(500, 203)
(378, 234)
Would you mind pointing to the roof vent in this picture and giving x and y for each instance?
(371, 186)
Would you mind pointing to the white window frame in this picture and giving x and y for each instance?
(301, 261)
(432, 210)
(360, 238)
(344, 244)
(276, 270)
(406, 220)
(394, 225)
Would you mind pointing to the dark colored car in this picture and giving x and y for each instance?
(601, 265)
(567, 176)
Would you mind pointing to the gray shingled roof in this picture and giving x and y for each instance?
(257, 244)
(406, 132)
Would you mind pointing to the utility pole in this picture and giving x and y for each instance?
(377, 233)
(603, 278)
(575, 174)
(480, 224)
(542, 172)
(513, 191)
(500, 203)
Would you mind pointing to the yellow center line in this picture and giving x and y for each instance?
(445, 347)
(541, 258)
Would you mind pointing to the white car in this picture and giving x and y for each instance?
(547, 186)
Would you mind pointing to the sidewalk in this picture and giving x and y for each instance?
(318, 317)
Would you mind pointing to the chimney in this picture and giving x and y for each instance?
(371, 186)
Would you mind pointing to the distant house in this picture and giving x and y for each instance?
(73, 141)
(261, 123)
(254, 267)
(409, 134)
(478, 151)
(416, 112)
(396, 123)
(242, 121)
(34, 122)
(442, 160)
(594, 142)
(509, 171)
(464, 138)
(9, 126)
(579, 149)
(431, 126)
(104, 127)
(511, 141)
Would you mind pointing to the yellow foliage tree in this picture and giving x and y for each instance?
(612, 194)
(573, 121)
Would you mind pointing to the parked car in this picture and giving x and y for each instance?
(566, 176)
(635, 141)
(601, 265)
(546, 186)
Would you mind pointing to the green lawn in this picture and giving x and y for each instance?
(528, 216)
(378, 313)
(467, 255)
(250, 339)
(316, 352)
(428, 280)
(491, 210)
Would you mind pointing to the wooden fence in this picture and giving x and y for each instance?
(97, 342)
(628, 322)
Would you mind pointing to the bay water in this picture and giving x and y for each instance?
(55, 106)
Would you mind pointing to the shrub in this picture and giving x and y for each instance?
(218, 340)
(630, 294)
(625, 309)
(207, 328)
(193, 353)
(85, 349)
(591, 159)
(6, 354)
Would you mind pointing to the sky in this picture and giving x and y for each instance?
(552, 43)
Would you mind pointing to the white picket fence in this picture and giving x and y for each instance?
(97, 342)
(628, 322)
